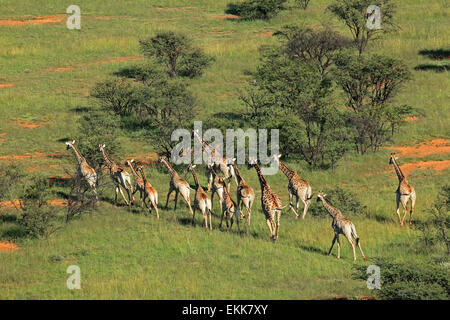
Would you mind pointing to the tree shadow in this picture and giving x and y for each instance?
(313, 249)
(436, 54)
(8, 218)
(433, 67)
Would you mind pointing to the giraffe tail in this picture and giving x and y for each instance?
(354, 234)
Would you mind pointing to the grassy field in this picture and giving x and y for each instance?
(46, 74)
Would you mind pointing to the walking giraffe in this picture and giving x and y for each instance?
(138, 181)
(219, 162)
(201, 200)
(245, 194)
(178, 185)
(217, 185)
(297, 187)
(84, 170)
(270, 202)
(119, 176)
(404, 192)
(149, 192)
(341, 225)
(229, 209)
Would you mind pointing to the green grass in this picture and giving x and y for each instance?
(126, 255)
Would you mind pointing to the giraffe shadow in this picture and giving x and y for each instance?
(313, 249)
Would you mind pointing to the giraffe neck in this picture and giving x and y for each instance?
(195, 178)
(206, 147)
(171, 170)
(399, 172)
(144, 178)
(262, 180)
(332, 211)
(288, 172)
(133, 171)
(78, 155)
(108, 162)
(237, 173)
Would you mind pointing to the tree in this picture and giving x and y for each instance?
(176, 52)
(370, 83)
(291, 95)
(256, 9)
(304, 3)
(316, 47)
(354, 14)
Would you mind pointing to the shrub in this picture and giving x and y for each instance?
(177, 53)
(344, 200)
(303, 3)
(256, 9)
(406, 281)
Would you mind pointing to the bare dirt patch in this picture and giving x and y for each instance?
(8, 247)
(25, 156)
(16, 203)
(35, 21)
(411, 119)
(265, 34)
(408, 168)
(226, 16)
(176, 8)
(436, 146)
(6, 85)
(30, 125)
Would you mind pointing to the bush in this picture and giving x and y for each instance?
(256, 9)
(344, 200)
(177, 53)
(406, 281)
(303, 3)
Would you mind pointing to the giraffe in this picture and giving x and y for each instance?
(341, 225)
(270, 202)
(245, 194)
(119, 176)
(404, 192)
(217, 186)
(138, 181)
(229, 209)
(202, 201)
(149, 192)
(84, 170)
(178, 185)
(297, 187)
(219, 162)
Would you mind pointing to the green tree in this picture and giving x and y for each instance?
(176, 53)
(256, 9)
(353, 13)
(370, 84)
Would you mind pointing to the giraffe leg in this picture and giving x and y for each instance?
(269, 225)
(236, 214)
(168, 196)
(305, 209)
(413, 203)
(278, 223)
(193, 215)
(404, 200)
(221, 218)
(339, 246)
(176, 199)
(117, 192)
(358, 243)
(123, 196)
(205, 217)
(349, 238)
(332, 244)
(210, 219)
(398, 206)
(291, 205)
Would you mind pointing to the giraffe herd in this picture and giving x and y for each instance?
(230, 210)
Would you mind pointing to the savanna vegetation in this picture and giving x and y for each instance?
(343, 96)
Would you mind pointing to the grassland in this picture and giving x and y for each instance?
(126, 255)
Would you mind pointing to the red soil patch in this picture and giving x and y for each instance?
(55, 179)
(37, 20)
(408, 168)
(103, 18)
(2, 135)
(119, 59)
(25, 156)
(226, 16)
(63, 69)
(8, 247)
(411, 119)
(6, 85)
(54, 202)
(175, 9)
(436, 146)
(30, 125)
(265, 34)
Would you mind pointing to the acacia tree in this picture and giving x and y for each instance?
(316, 47)
(177, 53)
(256, 9)
(370, 83)
(354, 14)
